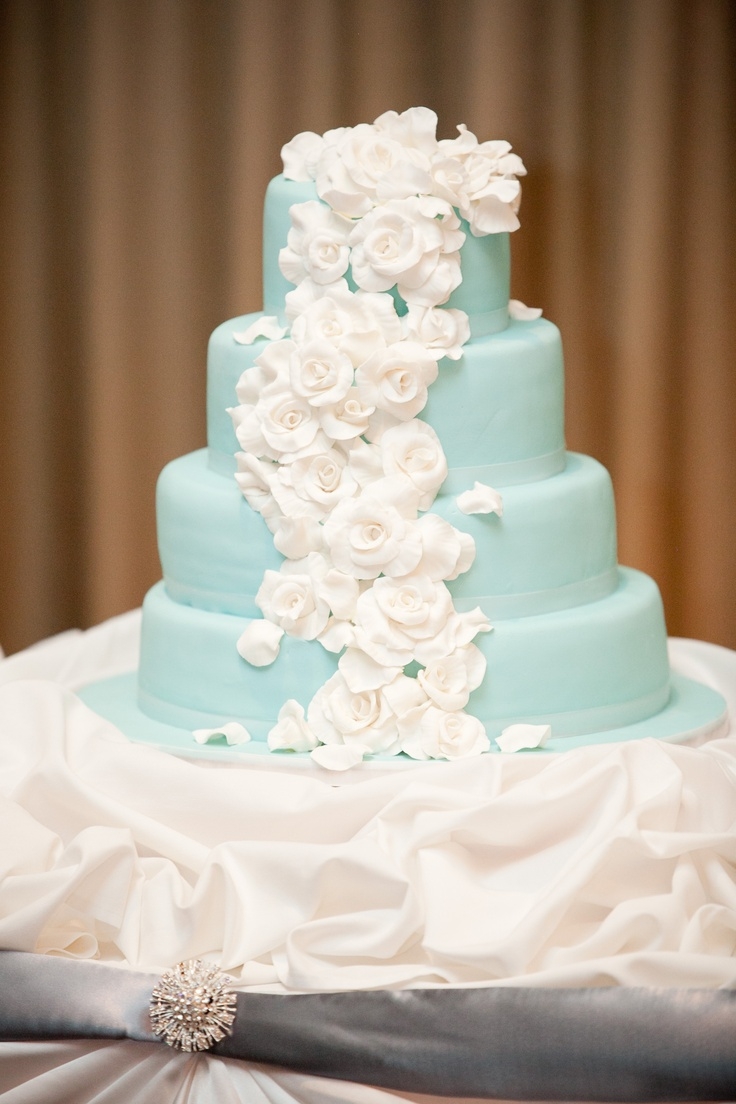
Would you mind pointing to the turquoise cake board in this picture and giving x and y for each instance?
(694, 712)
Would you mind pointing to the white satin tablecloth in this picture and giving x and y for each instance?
(609, 865)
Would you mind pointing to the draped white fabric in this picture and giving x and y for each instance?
(606, 865)
(144, 1073)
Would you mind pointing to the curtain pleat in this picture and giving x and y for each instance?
(137, 139)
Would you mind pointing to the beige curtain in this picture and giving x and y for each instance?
(137, 139)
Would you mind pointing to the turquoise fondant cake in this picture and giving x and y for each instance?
(385, 548)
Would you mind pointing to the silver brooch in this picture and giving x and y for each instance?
(191, 1007)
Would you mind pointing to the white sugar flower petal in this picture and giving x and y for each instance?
(395, 379)
(340, 591)
(291, 732)
(337, 635)
(521, 313)
(301, 154)
(448, 681)
(317, 247)
(404, 695)
(481, 500)
(363, 673)
(268, 326)
(365, 462)
(434, 733)
(415, 129)
(297, 537)
(412, 449)
(520, 736)
(442, 332)
(291, 599)
(260, 643)
(339, 757)
(233, 732)
(470, 624)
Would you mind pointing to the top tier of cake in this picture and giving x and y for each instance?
(483, 294)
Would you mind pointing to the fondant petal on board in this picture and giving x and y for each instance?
(233, 732)
(519, 737)
(338, 757)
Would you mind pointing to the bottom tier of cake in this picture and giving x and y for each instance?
(594, 667)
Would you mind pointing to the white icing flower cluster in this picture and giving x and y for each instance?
(393, 174)
(334, 455)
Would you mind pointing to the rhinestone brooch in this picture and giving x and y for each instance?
(191, 1006)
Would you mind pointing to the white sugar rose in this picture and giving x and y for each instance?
(479, 178)
(450, 181)
(348, 172)
(395, 380)
(311, 486)
(347, 419)
(287, 422)
(293, 602)
(337, 715)
(320, 373)
(367, 537)
(369, 718)
(399, 620)
(357, 325)
(449, 681)
(434, 734)
(442, 332)
(413, 449)
(411, 244)
(317, 244)
(447, 551)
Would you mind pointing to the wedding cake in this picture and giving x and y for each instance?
(385, 553)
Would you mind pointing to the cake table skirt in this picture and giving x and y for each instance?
(607, 866)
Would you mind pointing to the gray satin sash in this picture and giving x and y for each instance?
(608, 1044)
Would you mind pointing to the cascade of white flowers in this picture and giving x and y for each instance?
(334, 455)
